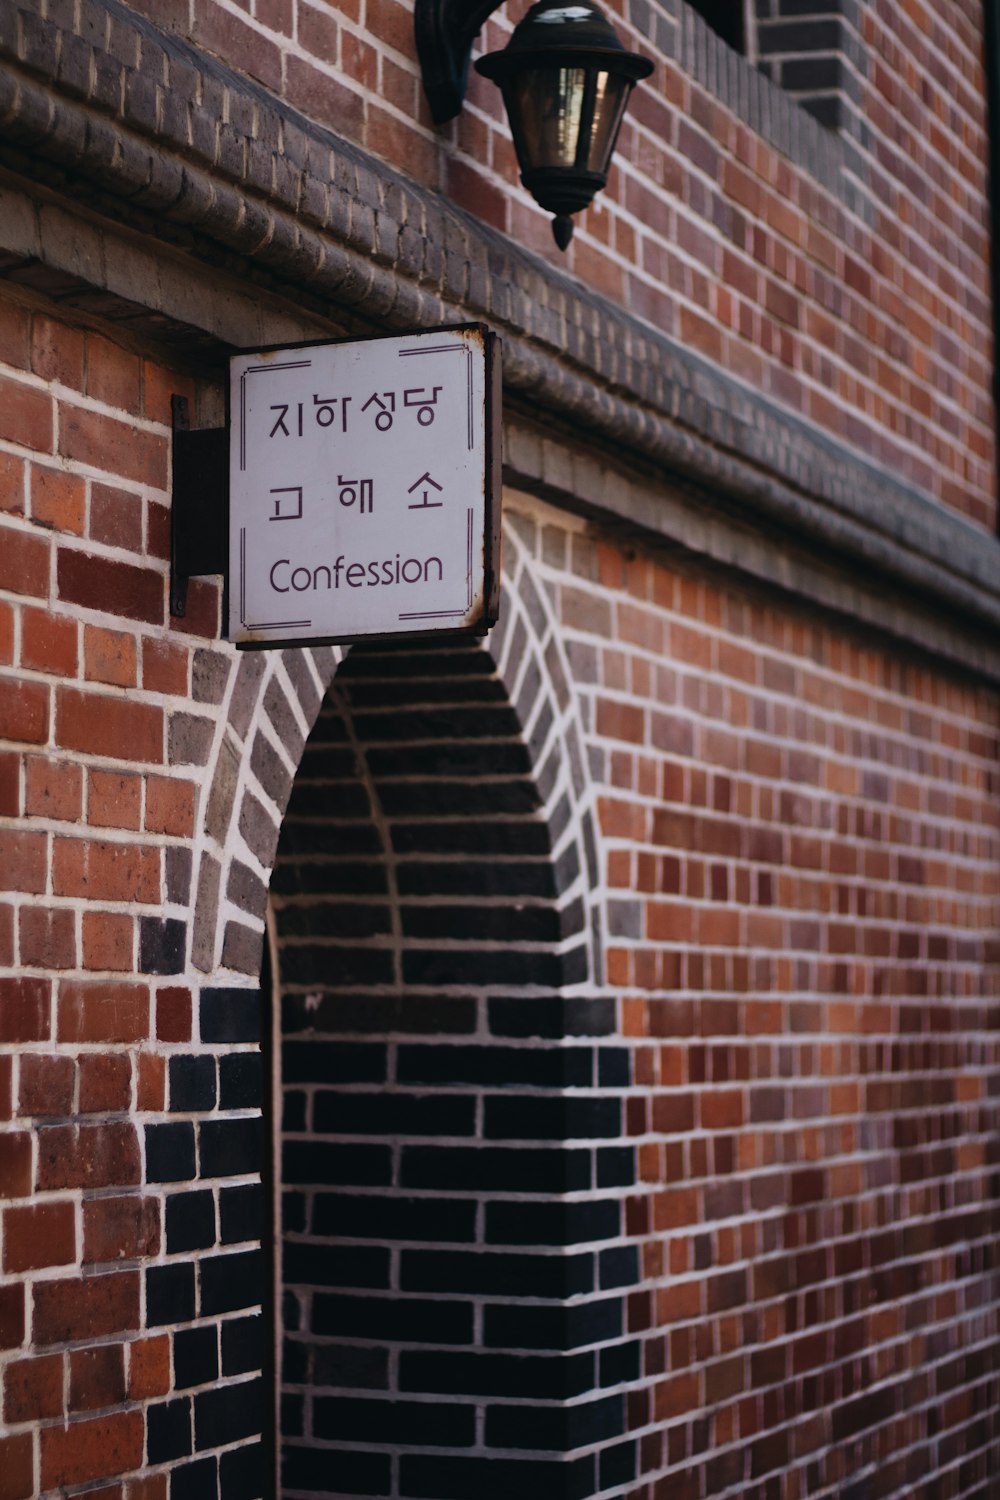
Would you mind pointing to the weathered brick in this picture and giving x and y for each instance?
(102, 1011)
(114, 799)
(109, 656)
(105, 1082)
(111, 446)
(110, 587)
(149, 1367)
(25, 1006)
(164, 666)
(120, 1228)
(170, 803)
(105, 1155)
(24, 711)
(53, 789)
(38, 1235)
(18, 1466)
(108, 941)
(104, 871)
(47, 938)
(25, 561)
(33, 1389)
(15, 1165)
(90, 1449)
(46, 1083)
(23, 859)
(48, 644)
(26, 415)
(58, 499)
(96, 1377)
(98, 724)
(116, 517)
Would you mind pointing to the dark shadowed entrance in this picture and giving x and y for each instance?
(452, 1253)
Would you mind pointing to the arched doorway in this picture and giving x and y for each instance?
(452, 1245)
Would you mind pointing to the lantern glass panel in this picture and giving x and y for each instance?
(565, 117)
(612, 96)
(547, 105)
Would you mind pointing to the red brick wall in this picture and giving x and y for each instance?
(91, 804)
(802, 845)
(856, 295)
(798, 882)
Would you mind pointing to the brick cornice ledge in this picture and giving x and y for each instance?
(157, 133)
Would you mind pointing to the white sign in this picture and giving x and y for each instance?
(364, 488)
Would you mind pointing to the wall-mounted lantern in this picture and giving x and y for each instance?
(565, 78)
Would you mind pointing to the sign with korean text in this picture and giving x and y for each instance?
(364, 488)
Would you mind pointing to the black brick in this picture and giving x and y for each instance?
(414, 1423)
(547, 1376)
(352, 1367)
(169, 1294)
(190, 1221)
(477, 839)
(195, 1481)
(393, 1114)
(517, 1275)
(494, 1168)
(192, 1083)
(162, 945)
(447, 798)
(496, 877)
(357, 1473)
(310, 1061)
(240, 1081)
(231, 1412)
(551, 1016)
(243, 1345)
(614, 1067)
(230, 1282)
(327, 1265)
(497, 1067)
(301, 964)
(533, 1119)
(325, 1163)
(168, 1431)
(230, 1015)
(621, 1363)
(618, 1465)
(408, 727)
(328, 919)
(196, 1356)
(615, 1166)
(324, 877)
(243, 1473)
(230, 1148)
(488, 966)
(558, 1428)
(423, 1477)
(441, 1220)
(371, 1015)
(618, 1267)
(508, 1326)
(170, 1152)
(517, 1223)
(242, 1213)
(405, 1320)
(501, 924)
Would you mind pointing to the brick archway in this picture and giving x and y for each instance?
(269, 702)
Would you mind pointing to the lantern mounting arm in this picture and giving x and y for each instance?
(445, 31)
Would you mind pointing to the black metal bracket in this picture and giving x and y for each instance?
(444, 31)
(199, 511)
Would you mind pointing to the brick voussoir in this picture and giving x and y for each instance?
(562, 344)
